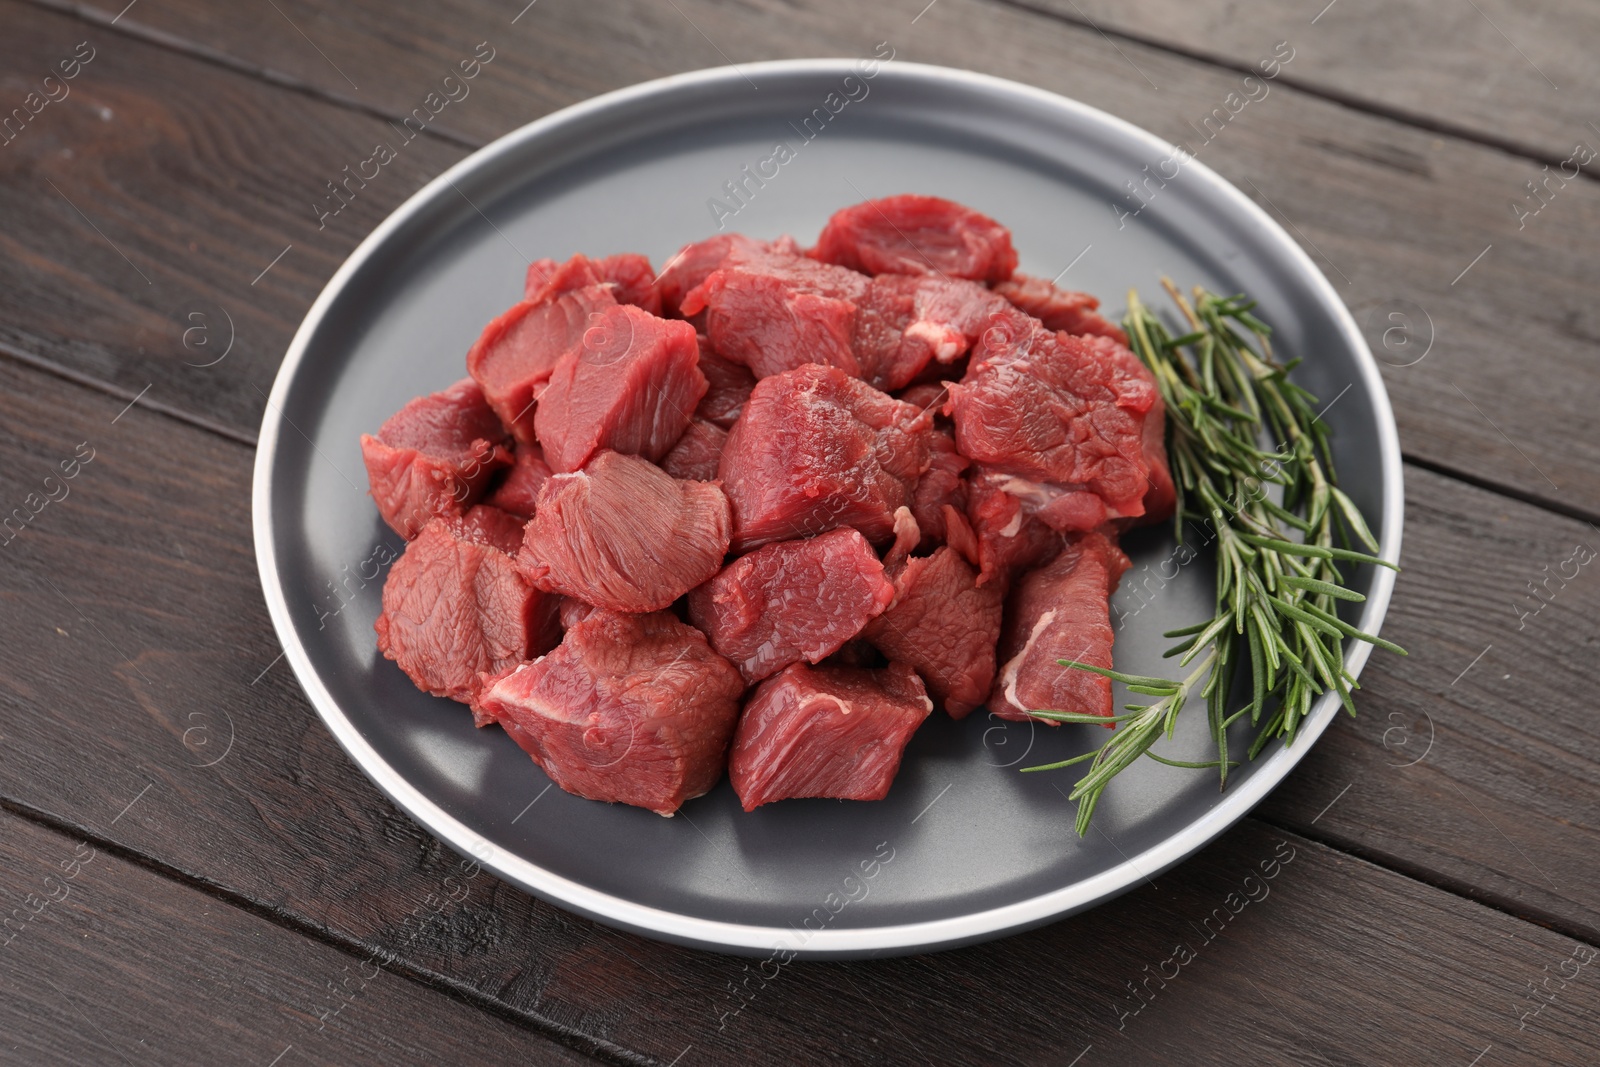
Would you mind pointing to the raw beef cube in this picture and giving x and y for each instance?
(773, 313)
(944, 625)
(513, 357)
(1058, 309)
(433, 457)
(697, 452)
(546, 279)
(454, 605)
(817, 449)
(885, 307)
(918, 235)
(908, 324)
(729, 383)
(695, 261)
(1161, 498)
(541, 272)
(632, 280)
(1060, 612)
(624, 535)
(791, 601)
(630, 386)
(1058, 508)
(518, 491)
(628, 275)
(1061, 411)
(940, 488)
(632, 709)
(826, 732)
(1009, 537)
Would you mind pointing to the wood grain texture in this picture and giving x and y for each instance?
(104, 962)
(162, 188)
(1390, 212)
(138, 651)
(1517, 74)
(140, 648)
(1486, 732)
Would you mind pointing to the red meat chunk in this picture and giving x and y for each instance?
(945, 626)
(455, 607)
(1068, 413)
(910, 324)
(695, 261)
(1010, 538)
(817, 449)
(1058, 309)
(940, 488)
(697, 452)
(1161, 499)
(918, 235)
(773, 313)
(518, 491)
(826, 732)
(1060, 611)
(729, 384)
(630, 386)
(433, 457)
(546, 279)
(791, 601)
(622, 534)
(632, 280)
(629, 276)
(632, 709)
(514, 356)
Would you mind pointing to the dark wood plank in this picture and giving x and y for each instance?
(102, 961)
(1513, 73)
(1486, 732)
(161, 188)
(152, 674)
(227, 164)
(1517, 74)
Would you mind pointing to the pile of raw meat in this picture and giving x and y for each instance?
(762, 510)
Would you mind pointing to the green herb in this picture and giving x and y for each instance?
(1277, 561)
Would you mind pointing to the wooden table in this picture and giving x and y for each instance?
(199, 875)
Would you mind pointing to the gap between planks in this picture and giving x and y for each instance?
(217, 57)
(205, 53)
(1343, 99)
(575, 1039)
(85, 381)
(601, 1050)
(1505, 905)
(355, 948)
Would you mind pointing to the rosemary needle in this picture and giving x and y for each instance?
(1278, 578)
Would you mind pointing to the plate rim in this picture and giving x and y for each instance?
(744, 938)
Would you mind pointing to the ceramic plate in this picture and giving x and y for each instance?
(965, 847)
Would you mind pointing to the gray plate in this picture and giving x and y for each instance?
(964, 848)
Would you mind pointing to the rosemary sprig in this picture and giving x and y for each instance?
(1274, 518)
